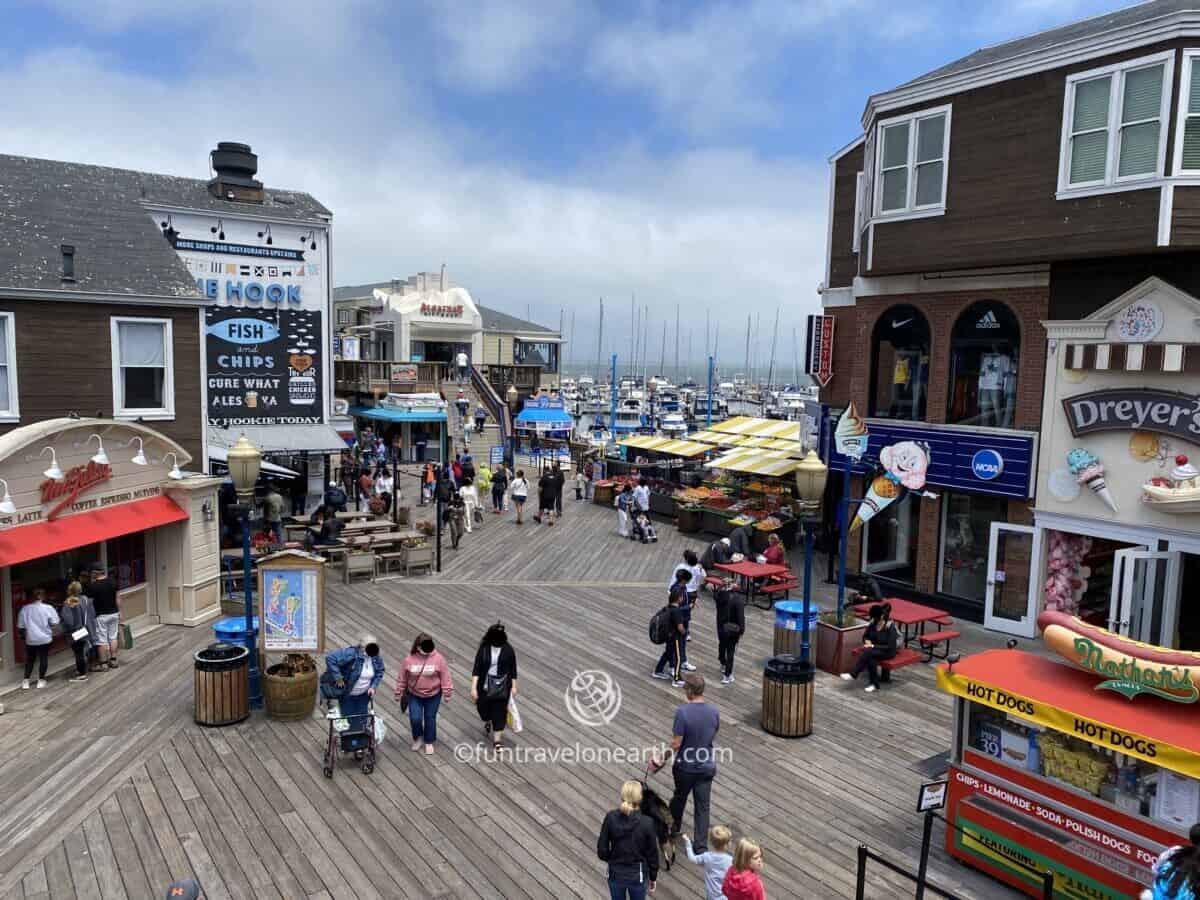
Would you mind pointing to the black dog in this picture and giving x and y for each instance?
(656, 809)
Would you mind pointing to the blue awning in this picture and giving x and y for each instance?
(534, 416)
(399, 415)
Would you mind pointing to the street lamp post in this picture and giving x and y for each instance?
(811, 476)
(244, 462)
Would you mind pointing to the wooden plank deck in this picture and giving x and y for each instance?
(110, 790)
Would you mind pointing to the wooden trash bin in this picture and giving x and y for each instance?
(787, 697)
(789, 628)
(221, 687)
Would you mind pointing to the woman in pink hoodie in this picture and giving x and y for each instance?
(742, 881)
(423, 683)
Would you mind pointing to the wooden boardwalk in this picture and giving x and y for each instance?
(110, 790)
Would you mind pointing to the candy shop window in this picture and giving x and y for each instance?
(900, 364)
(1131, 785)
(984, 351)
(966, 528)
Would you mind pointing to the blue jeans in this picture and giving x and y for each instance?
(422, 715)
(687, 627)
(620, 890)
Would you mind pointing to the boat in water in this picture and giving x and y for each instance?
(597, 435)
(631, 417)
(673, 425)
(720, 407)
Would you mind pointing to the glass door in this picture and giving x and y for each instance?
(1010, 601)
(1145, 595)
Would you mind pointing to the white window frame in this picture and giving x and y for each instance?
(911, 210)
(856, 238)
(167, 410)
(345, 316)
(1181, 113)
(1116, 95)
(13, 413)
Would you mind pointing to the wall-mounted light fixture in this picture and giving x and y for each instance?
(219, 229)
(310, 239)
(206, 507)
(175, 472)
(266, 232)
(7, 507)
(139, 458)
(54, 473)
(101, 458)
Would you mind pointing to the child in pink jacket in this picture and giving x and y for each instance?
(423, 683)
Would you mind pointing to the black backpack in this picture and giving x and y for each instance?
(660, 626)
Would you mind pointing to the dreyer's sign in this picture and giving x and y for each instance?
(1135, 409)
(264, 366)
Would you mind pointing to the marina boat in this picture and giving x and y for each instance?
(667, 400)
(630, 417)
(673, 425)
(597, 436)
(720, 407)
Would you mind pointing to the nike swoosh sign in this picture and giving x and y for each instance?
(896, 324)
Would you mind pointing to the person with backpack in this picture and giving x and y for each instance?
(424, 682)
(624, 505)
(742, 881)
(666, 627)
(520, 493)
(499, 488)
(731, 625)
(468, 467)
(696, 576)
(1177, 871)
(480, 419)
(627, 843)
(546, 494)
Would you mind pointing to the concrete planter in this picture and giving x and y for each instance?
(835, 645)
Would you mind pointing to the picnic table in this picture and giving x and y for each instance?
(749, 572)
(353, 514)
(911, 615)
(366, 527)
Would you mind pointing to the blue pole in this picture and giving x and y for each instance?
(612, 399)
(255, 686)
(807, 525)
(708, 417)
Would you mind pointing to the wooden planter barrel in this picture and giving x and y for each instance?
(290, 698)
(787, 697)
(220, 687)
(603, 494)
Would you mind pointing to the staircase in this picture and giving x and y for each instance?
(478, 393)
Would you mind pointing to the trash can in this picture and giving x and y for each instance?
(789, 628)
(220, 684)
(232, 630)
(787, 697)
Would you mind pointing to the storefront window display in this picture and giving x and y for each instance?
(126, 559)
(900, 364)
(966, 527)
(890, 542)
(984, 351)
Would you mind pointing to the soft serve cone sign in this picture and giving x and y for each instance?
(850, 435)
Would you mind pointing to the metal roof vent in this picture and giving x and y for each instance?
(234, 166)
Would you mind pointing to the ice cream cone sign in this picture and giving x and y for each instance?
(904, 466)
(1089, 471)
(850, 435)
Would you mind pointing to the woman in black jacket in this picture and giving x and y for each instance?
(731, 625)
(628, 845)
(494, 681)
(879, 640)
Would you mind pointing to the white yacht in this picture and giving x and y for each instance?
(673, 425)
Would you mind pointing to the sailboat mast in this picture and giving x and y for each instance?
(795, 359)
(749, 319)
(677, 342)
(662, 360)
(600, 341)
(771, 366)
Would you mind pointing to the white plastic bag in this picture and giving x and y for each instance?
(514, 716)
(760, 559)
(380, 729)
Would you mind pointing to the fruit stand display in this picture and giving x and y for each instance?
(725, 501)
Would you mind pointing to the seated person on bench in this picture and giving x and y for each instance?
(879, 641)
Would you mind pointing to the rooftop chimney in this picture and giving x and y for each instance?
(235, 166)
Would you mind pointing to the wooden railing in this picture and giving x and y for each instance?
(526, 379)
(387, 376)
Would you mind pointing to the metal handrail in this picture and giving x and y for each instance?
(497, 408)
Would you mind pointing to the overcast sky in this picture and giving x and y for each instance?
(549, 152)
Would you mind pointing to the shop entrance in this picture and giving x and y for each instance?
(438, 351)
(1009, 604)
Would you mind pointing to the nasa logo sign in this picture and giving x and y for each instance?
(987, 465)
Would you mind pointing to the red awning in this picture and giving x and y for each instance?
(27, 542)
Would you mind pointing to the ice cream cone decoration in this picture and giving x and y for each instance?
(850, 435)
(882, 493)
(1089, 471)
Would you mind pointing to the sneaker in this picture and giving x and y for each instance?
(429, 749)
(870, 689)
(80, 677)
(725, 679)
(662, 675)
(25, 684)
(732, 679)
(846, 676)
(677, 684)
(688, 667)
(112, 663)
(41, 683)
(417, 744)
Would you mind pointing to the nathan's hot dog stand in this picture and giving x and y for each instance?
(1091, 774)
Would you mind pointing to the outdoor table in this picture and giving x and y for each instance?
(750, 571)
(352, 514)
(906, 613)
(363, 527)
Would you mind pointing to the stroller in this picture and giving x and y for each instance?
(348, 734)
(642, 529)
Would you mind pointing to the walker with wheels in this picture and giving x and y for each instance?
(345, 737)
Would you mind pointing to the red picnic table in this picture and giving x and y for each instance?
(749, 572)
(908, 614)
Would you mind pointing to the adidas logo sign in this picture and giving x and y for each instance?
(988, 320)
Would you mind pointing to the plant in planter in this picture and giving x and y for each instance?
(426, 528)
(376, 506)
(290, 687)
(836, 643)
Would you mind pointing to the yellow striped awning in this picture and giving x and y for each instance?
(643, 441)
(756, 462)
(754, 427)
(670, 446)
(714, 437)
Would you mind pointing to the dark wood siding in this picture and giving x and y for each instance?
(1079, 288)
(1185, 217)
(64, 363)
(1001, 209)
(843, 262)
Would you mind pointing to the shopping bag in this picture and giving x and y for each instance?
(126, 637)
(380, 729)
(514, 717)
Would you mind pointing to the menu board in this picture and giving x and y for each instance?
(264, 366)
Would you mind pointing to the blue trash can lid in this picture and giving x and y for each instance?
(233, 625)
(796, 607)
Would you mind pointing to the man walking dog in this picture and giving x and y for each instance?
(695, 767)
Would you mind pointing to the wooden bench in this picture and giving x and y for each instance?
(385, 561)
(904, 657)
(943, 620)
(931, 642)
(358, 563)
(714, 581)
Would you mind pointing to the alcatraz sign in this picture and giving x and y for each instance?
(1134, 409)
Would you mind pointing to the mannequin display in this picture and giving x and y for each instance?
(994, 368)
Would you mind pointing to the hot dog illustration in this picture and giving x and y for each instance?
(1128, 666)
